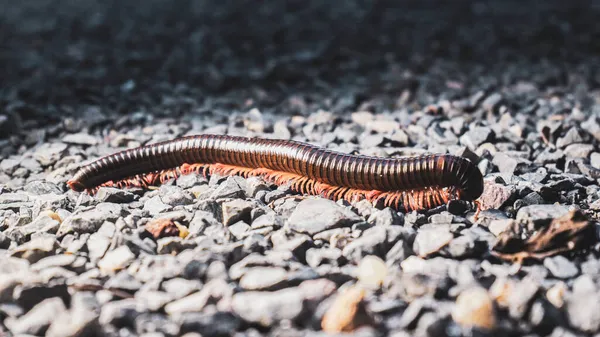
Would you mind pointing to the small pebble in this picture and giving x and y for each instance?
(372, 271)
(475, 308)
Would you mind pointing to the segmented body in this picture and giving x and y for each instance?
(411, 183)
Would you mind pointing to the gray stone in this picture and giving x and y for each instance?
(375, 241)
(582, 310)
(219, 323)
(116, 259)
(9, 165)
(538, 176)
(571, 136)
(36, 249)
(297, 245)
(152, 300)
(595, 160)
(541, 214)
(231, 188)
(561, 267)
(89, 221)
(268, 308)
(236, 210)
(11, 198)
(123, 280)
(172, 245)
(214, 290)
(180, 287)
(521, 297)
(97, 244)
(500, 225)
(49, 153)
(239, 230)
(37, 320)
(579, 150)
(431, 241)
(316, 257)
(114, 195)
(264, 278)
(187, 181)
(119, 313)
(506, 164)
(255, 185)
(42, 224)
(400, 251)
(464, 246)
(386, 217)
(492, 101)
(175, 195)
(267, 220)
(81, 319)
(313, 216)
(64, 260)
(155, 206)
(442, 218)
(39, 187)
(201, 221)
(80, 139)
(476, 136)
(533, 198)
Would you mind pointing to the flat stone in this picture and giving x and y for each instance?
(80, 139)
(571, 136)
(579, 150)
(430, 241)
(36, 249)
(268, 308)
(313, 216)
(116, 259)
(263, 278)
(116, 195)
(49, 153)
(561, 267)
(39, 318)
(476, 136)
(541, 214)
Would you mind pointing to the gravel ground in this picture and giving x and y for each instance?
(512, 85)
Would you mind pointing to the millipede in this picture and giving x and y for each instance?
(405, 183)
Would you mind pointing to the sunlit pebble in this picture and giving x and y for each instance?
(52, 215)
(344, 314)
(372, 271)
(475, 308)
(556, 294)
(500, 291)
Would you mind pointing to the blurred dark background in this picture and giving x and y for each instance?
(74, 51)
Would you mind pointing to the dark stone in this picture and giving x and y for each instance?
(210, 324)
(28, 295)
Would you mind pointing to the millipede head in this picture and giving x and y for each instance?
(76, 185)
